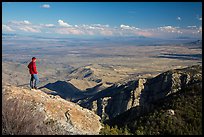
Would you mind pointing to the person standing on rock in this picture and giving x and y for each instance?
(33, 72)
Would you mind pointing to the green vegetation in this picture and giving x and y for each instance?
(107, 130)
(186, 120)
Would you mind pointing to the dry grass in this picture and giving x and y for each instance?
(19, 118)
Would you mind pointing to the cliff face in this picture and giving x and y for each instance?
(170, 82)
(176, 114)
(34, 112)
(142, 93)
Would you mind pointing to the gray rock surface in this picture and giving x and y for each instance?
(34, 112)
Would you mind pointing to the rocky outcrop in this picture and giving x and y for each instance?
(27, 111)
(142, 92)
(115, 99)
(170, 82)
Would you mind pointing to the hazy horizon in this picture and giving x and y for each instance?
(166, 20)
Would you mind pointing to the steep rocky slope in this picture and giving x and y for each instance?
(177, 114)
(142, 92)
(34, 112)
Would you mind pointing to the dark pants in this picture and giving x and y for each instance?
(34, 77)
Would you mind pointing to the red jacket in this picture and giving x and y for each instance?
(32, 68)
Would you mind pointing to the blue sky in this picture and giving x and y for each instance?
(82, 19)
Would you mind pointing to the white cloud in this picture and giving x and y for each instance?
(25, 22)
(169, 29)
(45, 6)
(200, 29)
(29, 29)
(191, 26)
(84, 29)
(94, 27)
(71, 31)
(179, 32)
(24, 26)
(7, 28)
(199, 18)
(91, 27)
(191, 31)
(122, 26)
(48, 25)
(101, 30)
(63, 24)
(126, 30)
(144, 33)
(106, 32)
(178, 18)
(100, 25)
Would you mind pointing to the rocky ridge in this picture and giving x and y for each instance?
(34, 112)
(142, 92)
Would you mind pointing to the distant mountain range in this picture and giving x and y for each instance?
(196, 42)
(128, 40)
(5, 35)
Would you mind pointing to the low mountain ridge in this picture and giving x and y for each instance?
(84, 77)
